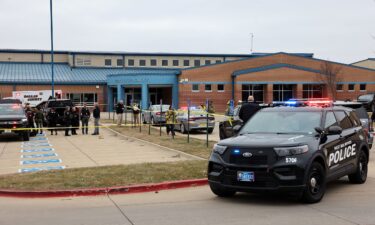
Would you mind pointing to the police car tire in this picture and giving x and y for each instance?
(360, 175)
(316, 171)
(210, 131)
(221, 192)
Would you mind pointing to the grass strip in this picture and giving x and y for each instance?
(195, 147)
(105, 176)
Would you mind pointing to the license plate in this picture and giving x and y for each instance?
(245, 176)
(7, 131)
(202, 125)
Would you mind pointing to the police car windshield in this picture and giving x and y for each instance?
(11, 109)
(283, 123)
(164, 107)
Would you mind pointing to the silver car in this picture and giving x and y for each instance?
(155, 114)
(196, 121)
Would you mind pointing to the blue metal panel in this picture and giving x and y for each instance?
(110, 99)
(144, 96)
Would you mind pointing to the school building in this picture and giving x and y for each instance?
(148, 78)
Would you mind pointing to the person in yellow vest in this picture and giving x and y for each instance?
(170, 119)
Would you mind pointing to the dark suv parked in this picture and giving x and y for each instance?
(59, 105)
(368, 101)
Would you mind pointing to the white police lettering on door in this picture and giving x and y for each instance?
(342, 152)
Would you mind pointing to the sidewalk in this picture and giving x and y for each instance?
(79, 151)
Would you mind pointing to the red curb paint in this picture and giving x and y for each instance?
(102, 191)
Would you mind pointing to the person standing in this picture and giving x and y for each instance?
(119, 111)
(39, 119)
(75, 120)
(85, 117)
(52, 118)
(170, 117)
(248, 109)
(136, 112)
(30, 117)
(96, 115)
(67, 120)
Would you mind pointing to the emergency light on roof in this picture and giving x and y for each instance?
(318, 102)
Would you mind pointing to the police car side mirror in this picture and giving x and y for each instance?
(319, 130)
(237, 129)
(334, 130)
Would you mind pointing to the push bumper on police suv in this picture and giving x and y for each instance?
(256, 170)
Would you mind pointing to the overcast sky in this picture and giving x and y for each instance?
(339, 30)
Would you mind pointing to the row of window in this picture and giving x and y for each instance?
(79, 98)
(208, 87)
(351, 87)
(164, 62)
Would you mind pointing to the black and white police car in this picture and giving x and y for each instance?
(292, 149)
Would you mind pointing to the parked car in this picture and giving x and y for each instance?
(368, 101)
(197, 121)
(12, 116)
(59, 105)
(155, 114)
(363, 116)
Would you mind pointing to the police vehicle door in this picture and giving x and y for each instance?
(331, 143)
(340, 157)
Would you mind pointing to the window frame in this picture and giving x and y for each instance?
(131, 62)
(153, 62)
(119, 60)
(186, 62)
(223, 90)
(351, 90)
(205, 87)
(164, 62)
(207, 62)
(175, 62)
(107, 60)
(360, 87)
(195, 85)
(339, 122)
(341, 89)
(142, 62)
(197, 62)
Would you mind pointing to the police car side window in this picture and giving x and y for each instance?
(330, 120)
(354, 118)
(343, 119)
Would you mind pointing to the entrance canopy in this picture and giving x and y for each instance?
(142, 86)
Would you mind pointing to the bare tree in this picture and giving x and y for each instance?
(330, 76)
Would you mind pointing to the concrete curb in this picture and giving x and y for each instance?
(103, 191)
(160, 146)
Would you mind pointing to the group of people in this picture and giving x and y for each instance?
(70, 119)
(120, 108)
(72, 116)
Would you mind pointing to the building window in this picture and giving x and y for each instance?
(207, 87)
(362, 87)
(283, 92)
(79, 98)
(130, 62)
(195, 88)
(108, 62)
(197, 62)
(351, 87)
(164, 62)
(142, 62)
(207, 62)
(220, 87)
(153, 62)
(83, 62)
(256, 90)
(339, 87)
(218, 61)
(312, 90)
(120, 62)
(175, 62)
(186, 62)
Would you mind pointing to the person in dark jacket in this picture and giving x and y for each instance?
(39, 119)
(52, 117)
(96, 115)
(75, 120)
(119, 111)
(67, 120)
(85, 117)
(30, 117)
(248, 109)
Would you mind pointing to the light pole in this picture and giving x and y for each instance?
(252, 39)
(52, 62)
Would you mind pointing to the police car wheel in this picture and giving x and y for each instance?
(360, 175)
(315, 184)
(221, 192)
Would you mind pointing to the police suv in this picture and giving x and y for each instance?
(292, 149)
